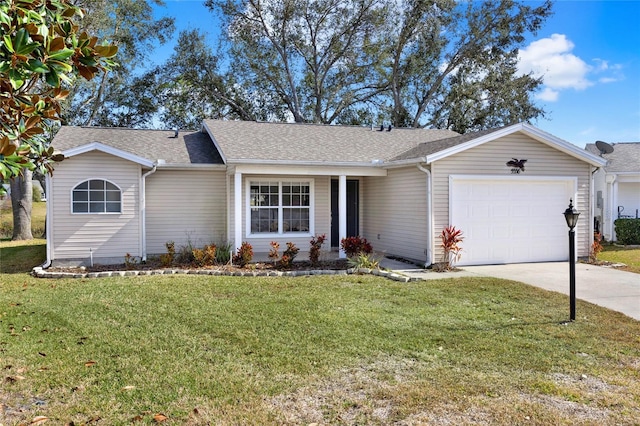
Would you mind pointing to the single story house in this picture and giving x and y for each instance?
(126, 191)
(616, 185)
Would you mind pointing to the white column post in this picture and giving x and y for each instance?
(237, 211)
(342, 212)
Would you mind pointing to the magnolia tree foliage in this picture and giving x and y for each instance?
(42, 52)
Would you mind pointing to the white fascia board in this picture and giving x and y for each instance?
(189, 166)
(529, 130)
(403, 163)
(97, 146)
(215, 142)
(321, 169)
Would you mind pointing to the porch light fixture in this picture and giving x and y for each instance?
(571, 216)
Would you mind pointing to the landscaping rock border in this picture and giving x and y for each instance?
(40, 272)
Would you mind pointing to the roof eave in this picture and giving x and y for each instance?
(533, 132)
(253, 161)
(97, 146)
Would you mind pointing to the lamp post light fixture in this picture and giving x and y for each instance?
(571, 216)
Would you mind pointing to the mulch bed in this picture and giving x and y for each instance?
(339, 264)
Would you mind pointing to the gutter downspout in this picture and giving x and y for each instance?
(592, 200)
(143, 211)
(610, 181)
(47, 220)
(430, 248)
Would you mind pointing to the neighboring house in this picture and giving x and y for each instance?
(125, 191)
(616, 185)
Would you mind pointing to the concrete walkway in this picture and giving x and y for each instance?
(607, 287)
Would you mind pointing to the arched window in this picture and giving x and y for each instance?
(96, 196)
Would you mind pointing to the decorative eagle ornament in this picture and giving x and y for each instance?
(516, 165)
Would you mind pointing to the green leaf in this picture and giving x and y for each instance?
(16, 78)
(52, 78)
(35, 65)
(61, 54)
(60, 66)
(8, 43)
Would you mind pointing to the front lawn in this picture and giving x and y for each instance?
(329, 350)
(630, 256)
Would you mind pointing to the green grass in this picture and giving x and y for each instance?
(630, 256)
(21, 256)
(38, 214)
(329, 350)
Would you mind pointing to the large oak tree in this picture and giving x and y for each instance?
(417, 63)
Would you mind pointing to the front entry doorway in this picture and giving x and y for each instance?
(353, 209)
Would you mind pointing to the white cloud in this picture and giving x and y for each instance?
(548, 95)
(551, 59)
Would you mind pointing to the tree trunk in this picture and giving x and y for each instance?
(21, 202)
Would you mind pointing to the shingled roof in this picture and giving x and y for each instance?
(186, 148)
(242, 141)
(624, 158)
(428, 148)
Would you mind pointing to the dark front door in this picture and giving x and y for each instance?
(353, 206)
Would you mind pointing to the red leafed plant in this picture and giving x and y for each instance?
(353, 246)
(286, 261)
(316, 245)
(451, 239)
(244, 255)
(274, 252)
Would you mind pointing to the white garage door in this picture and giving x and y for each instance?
(511, 220)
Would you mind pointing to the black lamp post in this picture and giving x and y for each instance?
(571, 215)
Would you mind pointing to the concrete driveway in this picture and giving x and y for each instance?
(607, 287)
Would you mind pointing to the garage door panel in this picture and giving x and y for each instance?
(511, 221)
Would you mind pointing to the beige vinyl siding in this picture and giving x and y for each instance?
(394, 213)
(491, 158)
(322, 214)
(185, 206)
(106, 235)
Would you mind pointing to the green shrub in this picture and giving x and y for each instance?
(36, 195)
(223, 253)
(627, 231)
(364, 260)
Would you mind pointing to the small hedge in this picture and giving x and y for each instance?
(627, 231)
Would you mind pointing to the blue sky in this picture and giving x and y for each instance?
(588, 54)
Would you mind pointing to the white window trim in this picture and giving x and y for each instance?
(94, 213)
(271, 235)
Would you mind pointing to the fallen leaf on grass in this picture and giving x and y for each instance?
(128, 387)
(42, 354)
(39, 420)
(89, 363)
(137, 418)
(159, 418)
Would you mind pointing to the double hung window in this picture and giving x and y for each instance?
(280, 207)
